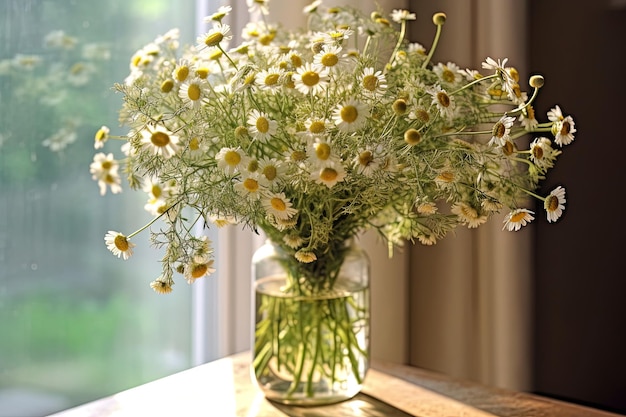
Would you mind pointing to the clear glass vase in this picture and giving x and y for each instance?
(311, 324)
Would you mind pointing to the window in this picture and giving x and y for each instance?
(77, 324)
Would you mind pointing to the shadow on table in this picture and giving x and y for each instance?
(361, 405)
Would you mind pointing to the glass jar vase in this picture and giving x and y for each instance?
(311, 324)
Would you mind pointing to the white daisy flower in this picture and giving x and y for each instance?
(250, 187)
(312, 8)
(351, 115)
(261, 6)
(278, 205)
(159, 141)
(373, 82)
(261, 126)
(562, 127)
(119, 244)
(329, 175)
(192, 92)
(305, 256)
(198, 268)
(468, 215)
(443, 101)
(527, 118)
(367, 162)
(101, 136)
(501, 131)
(542, 154)
(499, 68)
(329, 58)
(399, 16)
(231, 160)
(448, 73)
(269, 79)
(102, 165)
(554, 204)
(517, 219)
(213, 38)
(221, 13)
(270, 170)
(181, 71)
(321, 154)
(310, 79)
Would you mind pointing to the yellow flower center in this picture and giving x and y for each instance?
(329, 60)
(182, 73)
(422, 115)
(106, 165)
(298, 155)
(296, 61)
(167, 86)
(262, 125)
(366, 158)
(271, 79)
(316, 127)
(514, 74)
(552, 203)
(329, 174)
(499, 130)
(215, 55)
(538, 152)
(266, 39)
(270, 172)
(399, 107)
(213, 39)
(156, 191)
(194, 144)
(160, 139)
(565, 128)
(322, 150)
(370, 82)
(443, 99)
(518, 217)
(253, 165)
(448, 76)
(508, 148)
(193, 92)
(412, 137)
(121, 243)
(251, 185)
(202, 73)
(278, 204)
(349, 114)
(199, 270)
(232, 158)
(310, 78)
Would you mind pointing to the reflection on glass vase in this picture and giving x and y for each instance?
(311, 324)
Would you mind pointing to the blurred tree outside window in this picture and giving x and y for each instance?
(76, 323)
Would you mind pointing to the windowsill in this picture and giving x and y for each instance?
(224, 387)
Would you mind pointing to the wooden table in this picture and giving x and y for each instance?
(223, 388)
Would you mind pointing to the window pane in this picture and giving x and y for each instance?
(76, 323)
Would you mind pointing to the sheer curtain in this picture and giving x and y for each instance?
(470, 294)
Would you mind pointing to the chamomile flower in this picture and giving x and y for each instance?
(261, 126)
(119, 244)
(159, 141)
(231, 160)
(367, 162)
(373, 83)
(198, 268)
(270, 171)
(517, 219)
(181, 71)
(399, 15)
(554, 204)
(161, 286)
(250, 187)
(329, 175)
(309, 79)
(351, 115)
(468, 215)
(527, 118)
(501, 131)
(101, 136)
(321, 154)
(221, 13)
(278, 205)
(312, 8)
(305, 256)
(269, 79)
(329, 58)
(562, 126)
(498, 67)
(102, 165)
(261, 6)
(542, 154)
(192, 92)
(443, 101)
(212, 39)
(448, 73)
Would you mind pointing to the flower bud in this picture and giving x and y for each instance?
(439, 18)
(536, 81)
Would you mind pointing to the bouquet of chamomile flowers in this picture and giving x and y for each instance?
(314, 136)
